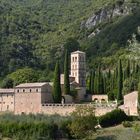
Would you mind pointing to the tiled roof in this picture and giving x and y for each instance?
(78, 52)
(3, 90)
(28, 85)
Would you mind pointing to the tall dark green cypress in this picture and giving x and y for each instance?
(101, 84)
(66, 74)
(89, 82)
(104, 80)
(127, 73)
(120, 82)
(56, 85)
(133, 74)
(99, 80)
(137, 68)
(92, 77)
(96, 83)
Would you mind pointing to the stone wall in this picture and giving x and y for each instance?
(130, 105)
(7, 102)
(67, 109)
(63, 110)
(27, 103)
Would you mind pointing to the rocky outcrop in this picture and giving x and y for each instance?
(107, 13)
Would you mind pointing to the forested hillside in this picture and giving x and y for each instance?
(33, 33)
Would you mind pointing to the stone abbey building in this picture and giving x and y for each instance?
(37, 97)
(31, 97)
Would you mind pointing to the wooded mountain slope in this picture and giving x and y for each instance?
(33, 32)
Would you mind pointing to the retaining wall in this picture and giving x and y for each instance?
(67, 109)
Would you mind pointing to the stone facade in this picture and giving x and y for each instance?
(36, 98)
(7, 100)
(78, 67)
(100, 98)
(30, 96)
(130, 105)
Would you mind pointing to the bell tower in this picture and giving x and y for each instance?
(78, 67)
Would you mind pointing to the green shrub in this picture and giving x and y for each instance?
(112, 118)
(83, 122)
(64, 127)
(136, 127)
(30, 127)
(127, 124)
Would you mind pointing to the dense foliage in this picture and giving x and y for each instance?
(122, 79)
(42, 127)
(112, 118)
(29, 127)
(35, 33)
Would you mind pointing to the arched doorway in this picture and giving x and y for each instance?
(103, 100)
(96, 100)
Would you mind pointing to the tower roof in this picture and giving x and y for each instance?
(78, 52)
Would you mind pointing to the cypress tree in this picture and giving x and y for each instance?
(92, 78)
(111, 82)
(124, 74)
(120, 82)
(137, 68)
(66, 74)
(96, 83)
(133, 74)
(98, 80)
(109, 74)
(56, 85)
(127, 73)
(101, 87)
(90, 83)
(104, 80)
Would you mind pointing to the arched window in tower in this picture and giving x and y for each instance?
(72, 59)
(75, 59)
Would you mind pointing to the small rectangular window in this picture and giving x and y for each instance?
(36, 90)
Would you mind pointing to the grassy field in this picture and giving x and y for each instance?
(118, 133)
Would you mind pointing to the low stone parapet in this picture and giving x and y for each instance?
(67, 109)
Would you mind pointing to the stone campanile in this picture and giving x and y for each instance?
(78, 67)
